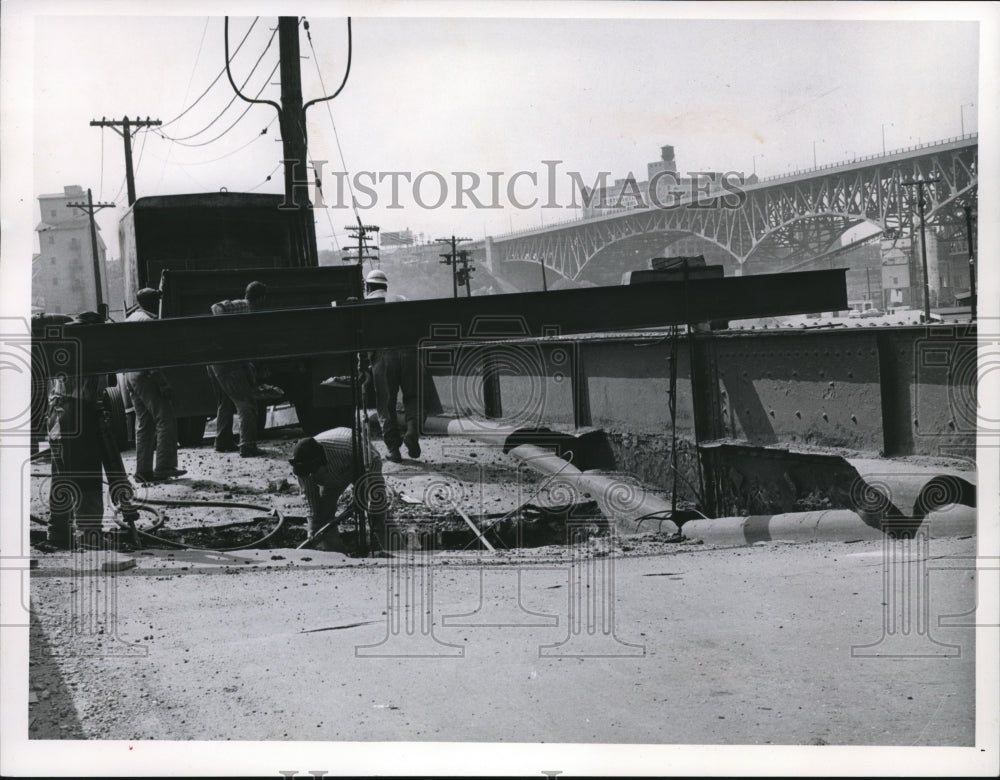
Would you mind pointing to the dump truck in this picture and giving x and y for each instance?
(202, 248)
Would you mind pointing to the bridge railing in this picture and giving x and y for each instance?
(761, 180)
(876, 156)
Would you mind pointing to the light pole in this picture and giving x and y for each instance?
(919, 184)
(755, 162)
(883, 134)
(821, 141)
(961, 110)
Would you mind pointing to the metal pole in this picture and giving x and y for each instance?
(972, 260)
(454, 266)
(923, 252)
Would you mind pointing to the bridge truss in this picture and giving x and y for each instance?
(774, 225)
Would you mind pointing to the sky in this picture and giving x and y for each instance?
(440, 95)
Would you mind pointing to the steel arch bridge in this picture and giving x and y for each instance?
(778, 224)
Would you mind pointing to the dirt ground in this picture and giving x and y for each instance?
(639, 640)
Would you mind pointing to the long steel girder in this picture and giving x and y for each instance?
(786, 220)
(185, 341)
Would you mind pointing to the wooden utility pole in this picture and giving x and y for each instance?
(359, 233)
(921, 203)
(452, 259)
(127, 130)
(465, 272)
(294, 138)
(91, 208)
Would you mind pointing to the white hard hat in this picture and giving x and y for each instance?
(377, 277)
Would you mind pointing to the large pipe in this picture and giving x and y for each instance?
(622, 502)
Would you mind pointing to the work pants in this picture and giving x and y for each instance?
(236, 386)
(395, 370)
(155, 425)
(76, 490)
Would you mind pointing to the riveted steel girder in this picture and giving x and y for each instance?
(181, 341)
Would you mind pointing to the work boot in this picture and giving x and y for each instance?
(394, 455)
(146, 479)
(166, 474)
(252, 452)
(412, 445)
(89, 538)
(225, 443)
(58, 535)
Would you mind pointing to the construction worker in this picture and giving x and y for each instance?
(394, 370)
(79, 447)
(236, 384)
(324, 466)
(152, 399)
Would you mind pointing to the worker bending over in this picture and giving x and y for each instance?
(324, 466)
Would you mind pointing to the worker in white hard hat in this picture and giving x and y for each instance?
(394, 370)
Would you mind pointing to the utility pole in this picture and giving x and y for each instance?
(868, 278)
(451, 259)
(294, 138)
(359, 233)
(91, 208)
(465, 272)
(127, 130)
(919, 184)
(972, 260)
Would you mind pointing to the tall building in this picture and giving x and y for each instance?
(62, 273)
(663, 188)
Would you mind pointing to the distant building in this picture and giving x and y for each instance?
(62, 273)
(663, 187)
(897, 290)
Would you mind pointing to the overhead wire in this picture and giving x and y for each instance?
(273, 171)
(217, 77)
(336, 136)
(232, 100)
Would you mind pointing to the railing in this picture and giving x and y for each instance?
(761, 180)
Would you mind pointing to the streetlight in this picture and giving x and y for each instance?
(822, 141)
(961, 110)
(883, 134)
(755, 162)
(919, 184)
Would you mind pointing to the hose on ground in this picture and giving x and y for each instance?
(184, 545)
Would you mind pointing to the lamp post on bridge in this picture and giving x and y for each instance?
(755, 162)
(821, 141)
(961, 110)
(919, 184)
(883, 134)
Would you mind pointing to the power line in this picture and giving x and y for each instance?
(329, 112)
(232, 100)
(218, 76)
(327, 100)
(273, 171)
(235, 122)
